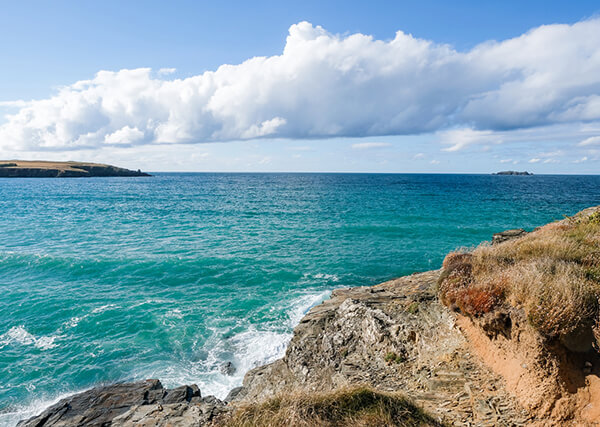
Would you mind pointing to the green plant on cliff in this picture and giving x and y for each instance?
(392, 357)
(552, 274)
(359, 406)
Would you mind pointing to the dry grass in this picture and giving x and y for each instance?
(553, 274)
(360, 406)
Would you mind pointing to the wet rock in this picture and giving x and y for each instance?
(228, 368)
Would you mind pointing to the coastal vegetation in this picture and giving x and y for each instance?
(358, 406)
(552, 274)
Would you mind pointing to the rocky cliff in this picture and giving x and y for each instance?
(42, 169)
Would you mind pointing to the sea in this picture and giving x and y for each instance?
(174, 275)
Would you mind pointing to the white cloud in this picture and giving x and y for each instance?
(435, 162)
(370, 145)
(534, 160)
(166, 71)
(593, 140)
(419, 156)
(325, 85)
(506, 161)
(461, 138)
(583, 159)
(125, 135)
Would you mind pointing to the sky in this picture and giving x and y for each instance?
(330, 86)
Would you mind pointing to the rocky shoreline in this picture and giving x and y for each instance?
(393, 337)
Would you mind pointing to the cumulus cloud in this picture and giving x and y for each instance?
(535, 160)
(370, 145)
(325, 85)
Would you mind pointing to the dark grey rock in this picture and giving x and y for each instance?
(233, 394)
(181, 394)
(228, 368)
(130, 404)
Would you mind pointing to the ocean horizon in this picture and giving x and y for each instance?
(173, 276)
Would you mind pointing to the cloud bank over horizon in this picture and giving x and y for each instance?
(327, 86)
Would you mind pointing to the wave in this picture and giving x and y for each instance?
(19, 335)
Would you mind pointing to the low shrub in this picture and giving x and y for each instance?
(553, 274)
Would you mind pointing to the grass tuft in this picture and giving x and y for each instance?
(359, 406)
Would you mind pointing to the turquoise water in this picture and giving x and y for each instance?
(109, 279)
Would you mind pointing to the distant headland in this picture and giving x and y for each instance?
(45, 169)
(512, 173)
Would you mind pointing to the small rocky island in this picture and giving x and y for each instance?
(45, 169)
(512, 173)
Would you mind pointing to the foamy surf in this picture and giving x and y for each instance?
(19, 335)
(257, 345)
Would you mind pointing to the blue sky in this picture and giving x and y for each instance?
(49, 46)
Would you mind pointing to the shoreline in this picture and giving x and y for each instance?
(400, 335)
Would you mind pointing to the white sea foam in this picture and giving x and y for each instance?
(323, 276)
(301, 305)
(103, 308)
(74, 321)
(175, 313)
(255, 346)
(19, 335)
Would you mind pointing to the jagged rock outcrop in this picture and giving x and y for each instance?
(131, 404)
(394, 337)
